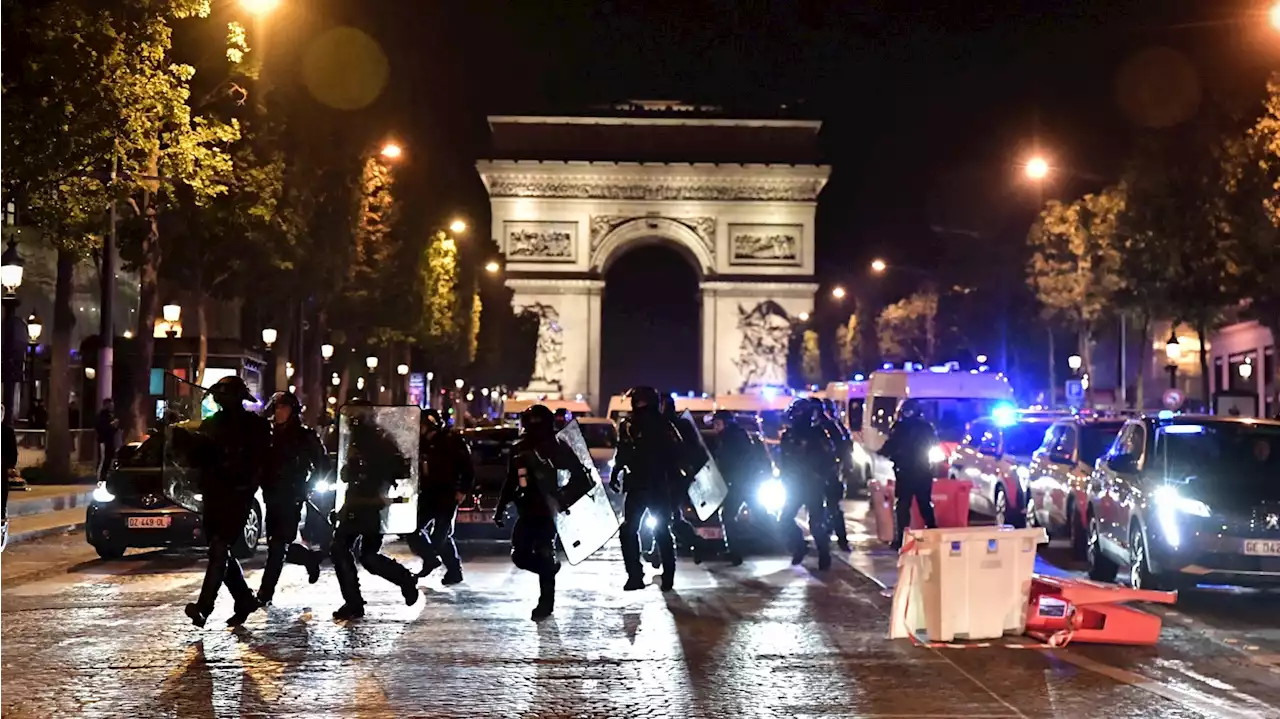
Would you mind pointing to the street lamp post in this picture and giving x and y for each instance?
(172, 313)
(431, 400)
(10, 281)
(269, 337)
(403, 385)
(372, 383)
(34, 328)
(326, 354)
(1172, 353)
(1075, 362)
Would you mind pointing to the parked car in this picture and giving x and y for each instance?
(1057, 479)
(1187, 499)
(130, 509)
(990, 455)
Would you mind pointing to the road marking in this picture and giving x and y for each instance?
(1190, 699)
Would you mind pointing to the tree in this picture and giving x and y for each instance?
(907, 329)
(164, 153)
(1180, 213)
(810, 359)
(1075, 261)
(1256, 173)
(848, 356)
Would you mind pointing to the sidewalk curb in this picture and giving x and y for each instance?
(42, 532)
(21, 507)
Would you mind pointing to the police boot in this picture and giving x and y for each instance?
(668, 578)
(452, 576)
(193, 612)
(824, 561)
(634, 582)
(546, 597)
(429, 565)
(844, 545)
(243, 609)
(799, 554)
(349, 611)
(271, 573)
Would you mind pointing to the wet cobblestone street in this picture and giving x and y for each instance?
(109, 639)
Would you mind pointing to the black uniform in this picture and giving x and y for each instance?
(447, 472)
(835, 489)
(374, 465)
(649, 452)
(738, 458)
(296, 452)
(807, 459)
(231, 449)
(531, 485)
(908, 448)
(688, 461)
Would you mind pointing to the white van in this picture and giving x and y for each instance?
(512, 408)
(849, 398)
(769, 406)
(698, 405)
(950, 400)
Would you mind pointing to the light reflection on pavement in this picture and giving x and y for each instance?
(108, 639)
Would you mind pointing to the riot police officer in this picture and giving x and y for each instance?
(685, 535)
(649, 452)
(231, 449)
(908, 447)
(738, 458)
(374, 465)
(835, 488)
(531, 486)
(447, 478)
(562, 419)
(807, 460)
(296, 452)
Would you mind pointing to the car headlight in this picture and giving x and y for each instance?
(936, 455)
(650, 522)
(100, 493)
(1170, 504)
(323, 486)
(772, 495)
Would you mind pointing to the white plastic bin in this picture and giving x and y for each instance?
(967, 582)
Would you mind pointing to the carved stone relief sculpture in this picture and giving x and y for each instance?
(765, 244)
(703, 227)
(548, 366)
(541, 241)
(762, 353)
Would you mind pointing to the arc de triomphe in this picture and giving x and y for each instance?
(564, 216)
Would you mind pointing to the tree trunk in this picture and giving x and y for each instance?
(148, 309)
(1144, 349)
(1051, 400)
(1274, 326)
(58, 439)
(1085, 349)
(202, 330)
(344, 384)
(315, 379)
(1202, 332)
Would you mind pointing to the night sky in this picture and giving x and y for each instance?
(928, 107)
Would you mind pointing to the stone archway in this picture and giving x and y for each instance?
(747, 229)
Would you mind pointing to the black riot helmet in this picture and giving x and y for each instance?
(909, 408)
(288, 399)
(643, 399)
(800, 413)
(723, 416)
(230, 392)
(561, 418)
(669, 406)
(537, 420)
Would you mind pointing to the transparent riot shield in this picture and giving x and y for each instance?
(185, 405)
(388, 436)
(591, 521)
(707, 490)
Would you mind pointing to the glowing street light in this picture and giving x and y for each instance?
(335, 380)
(34, 328)
(878, 266)
(1173, 348)
(1075, 362)
(458, 226)
(171, 313)
(1246, 369)
(1037, 168)
(392, 151)
(259, 8)
(838, 292)
(269, 336)
(982, 359)
(326, 351)
(804, 316)
(402, 369)
(459, 383)
(492, 267)
(371, 362)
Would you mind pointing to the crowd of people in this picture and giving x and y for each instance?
(653, 469)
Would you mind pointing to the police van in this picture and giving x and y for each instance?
(950, 400)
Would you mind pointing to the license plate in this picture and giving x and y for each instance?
(161, 522)
(709, 532)
(475, 517)
(1262, 547)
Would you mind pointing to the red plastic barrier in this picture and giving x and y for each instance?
(950, 503)
(1077, 610)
